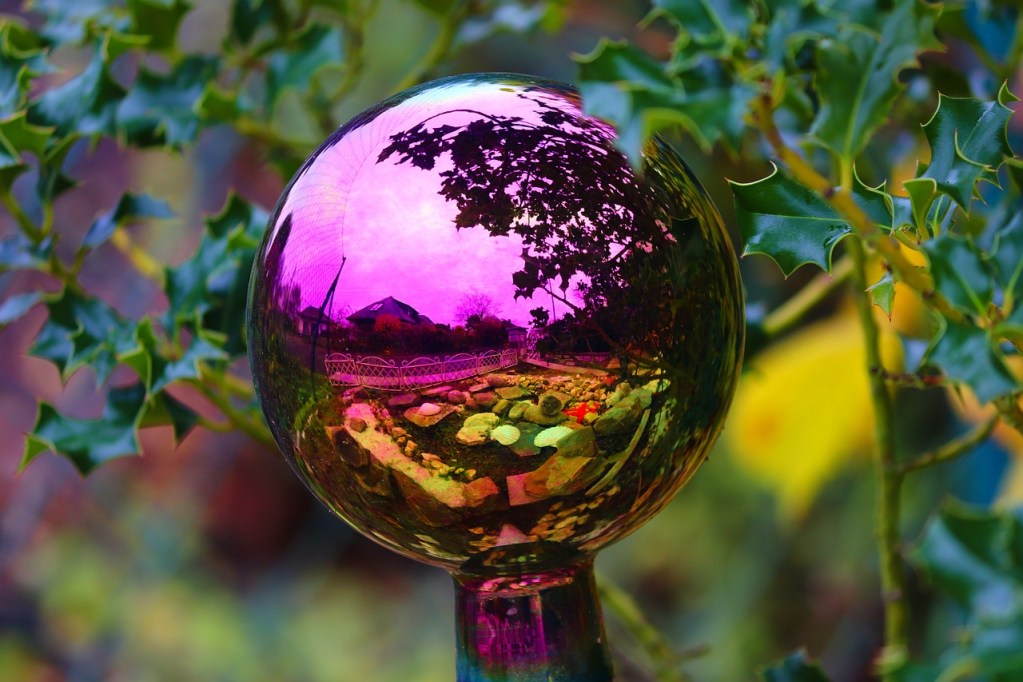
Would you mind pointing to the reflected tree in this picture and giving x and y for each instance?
(597, 236)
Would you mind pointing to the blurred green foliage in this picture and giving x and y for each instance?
(835, 92)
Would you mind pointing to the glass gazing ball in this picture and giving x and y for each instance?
(481, 338)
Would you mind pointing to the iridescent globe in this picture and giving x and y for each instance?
(486, 341)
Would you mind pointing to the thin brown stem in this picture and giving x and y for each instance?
(253, 427)
(664, 659)
(440, 48)
(956, 447)
(793, 310)
(145, 264)
(889, 477)
(24, 222)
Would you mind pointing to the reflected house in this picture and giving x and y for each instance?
(366, 317)
(516, 334)
(311, 321)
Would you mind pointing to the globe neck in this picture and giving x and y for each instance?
(543, 627)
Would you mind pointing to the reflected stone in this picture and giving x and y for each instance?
(510, 392)
(550, 437)
(476, 428)
(518, 409)
(506, 434)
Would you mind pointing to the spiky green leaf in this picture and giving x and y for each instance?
(86, 104)
(19, 253)
(882, 293)
(25, 137)
(158, 20)
(960, 273)
(164, 409)
(968, 140)
(162, 108)
(156, 370)
(21, 58)
(625, 86)
(14, 307)
(213, 283)
(970, 555)
(708, 22)
(857, 75)
(922, 193)
(966, 354)
(89, 442)
(319, 48)
(82, 330)
(68, 22)
(792, 225)
(129, 207)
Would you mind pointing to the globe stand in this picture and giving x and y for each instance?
(541, 627)
(432, 424)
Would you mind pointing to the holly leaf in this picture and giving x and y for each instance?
(68, 22)
(791, 26)
(11, 165)
(960, 273)
(129, 207)
(714, 106)
(20, 253)
(159, 20)
(792, 225)
(965, 353)
(795, 667)
(509, 16)
(624, 65)
(156, 370)
(1006, 225)
(82, 330)
(247, 16)
(162, 108)
(21, 58)
(52, 182)
(975, 557)
(1011, 328)
(22, 136)
(86, 104)
(882, 293)
(922, 193)
(857, 75)
(164, 409)
(968, 141)
(89, 442)
(212, 285)
(707, 22)
(626, 87)
(968, 554)
(216, 105)
(14, 307)
(318, 48)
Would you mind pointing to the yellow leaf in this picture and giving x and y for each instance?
(803, 409)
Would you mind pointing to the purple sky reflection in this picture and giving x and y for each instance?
(394, 227)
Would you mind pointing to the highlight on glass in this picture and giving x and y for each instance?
(484, 340)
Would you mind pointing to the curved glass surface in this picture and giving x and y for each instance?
(481, 338)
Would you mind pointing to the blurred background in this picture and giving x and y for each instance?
(209, 561)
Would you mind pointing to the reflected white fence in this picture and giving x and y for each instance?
(344, 369)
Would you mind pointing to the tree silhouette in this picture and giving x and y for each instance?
(475, 304)
(596, 235)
